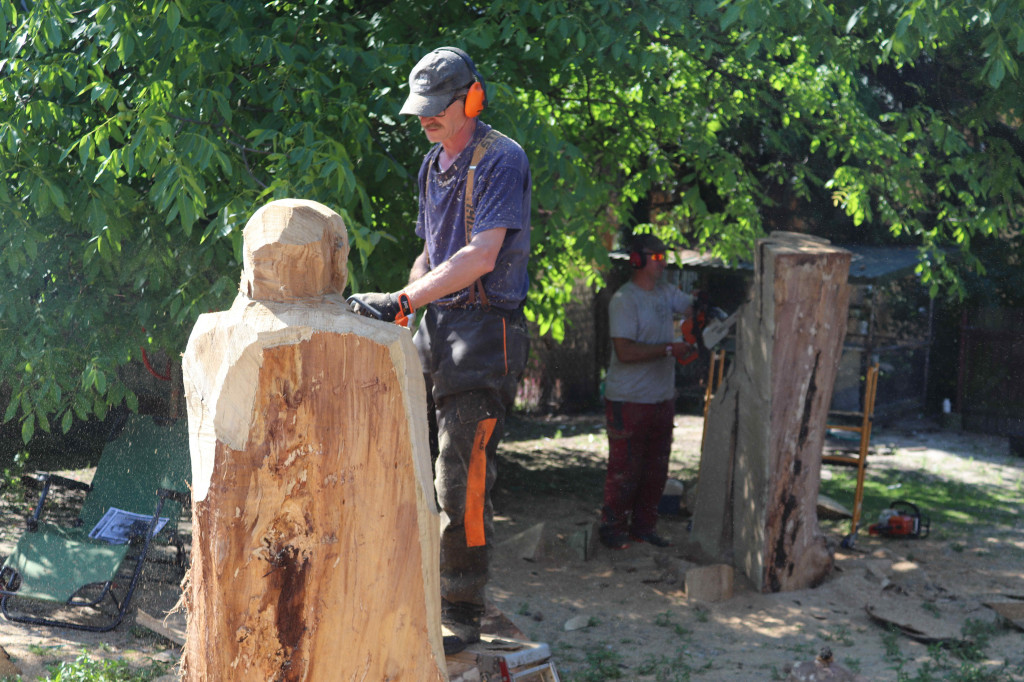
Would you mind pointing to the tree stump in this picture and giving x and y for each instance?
(761, 461)
(315, 535)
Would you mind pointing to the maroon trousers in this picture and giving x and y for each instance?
(639, 444)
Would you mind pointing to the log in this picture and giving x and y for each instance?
(315, 535)
(761, 461)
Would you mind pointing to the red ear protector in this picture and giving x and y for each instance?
(476, 98)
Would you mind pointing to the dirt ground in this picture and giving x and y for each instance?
(625, 614)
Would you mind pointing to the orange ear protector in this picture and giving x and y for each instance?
(476, 98)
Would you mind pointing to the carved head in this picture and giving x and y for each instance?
(294, 249)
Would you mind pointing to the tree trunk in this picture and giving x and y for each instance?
(761, 461)
(315, 537)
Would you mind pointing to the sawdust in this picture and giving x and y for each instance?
(639, 624)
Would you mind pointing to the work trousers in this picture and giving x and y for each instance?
(469, 428)
(472, 360)
(639, 445)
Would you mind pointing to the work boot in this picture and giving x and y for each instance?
(460, 625)
(612, 539)
(458, 637)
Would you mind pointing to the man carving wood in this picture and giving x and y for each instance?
(314, 527)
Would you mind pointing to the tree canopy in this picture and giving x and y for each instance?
(136, 139)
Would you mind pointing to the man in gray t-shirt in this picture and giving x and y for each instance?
(639, 396)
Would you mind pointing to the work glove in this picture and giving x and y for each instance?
(380, 306)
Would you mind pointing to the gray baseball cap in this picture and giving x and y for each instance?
(436, 79)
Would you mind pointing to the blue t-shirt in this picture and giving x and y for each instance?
(501, 198)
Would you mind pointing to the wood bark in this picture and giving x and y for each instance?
(315, 536)
(761, 462)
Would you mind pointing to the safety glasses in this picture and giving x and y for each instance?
(445, 110)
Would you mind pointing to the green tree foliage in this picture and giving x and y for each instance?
(137, 138)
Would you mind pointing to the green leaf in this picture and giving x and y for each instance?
(853, 20)
(66, 421)
(12, 409)
(28, 427)
(996, 73)
(173, 16)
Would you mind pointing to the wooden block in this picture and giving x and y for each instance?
(172, 626)
(1012, 611)
(528, 545)
(462, 670)
(583, 542)
(497, 624)
(831, 509)
(710, 583)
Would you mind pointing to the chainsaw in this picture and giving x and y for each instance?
(705, 328)
(901, 520)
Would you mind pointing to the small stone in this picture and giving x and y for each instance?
(576, 623)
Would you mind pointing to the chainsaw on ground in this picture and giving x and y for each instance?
(901, 520)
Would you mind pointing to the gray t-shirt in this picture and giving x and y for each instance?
(646, 317)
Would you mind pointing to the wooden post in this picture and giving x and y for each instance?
(315, 535)
(761, 461)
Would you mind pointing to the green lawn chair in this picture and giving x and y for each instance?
(145, 471)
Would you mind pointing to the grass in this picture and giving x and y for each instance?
(86, 669)
(953, 506)
(600, 662)
(840, 634)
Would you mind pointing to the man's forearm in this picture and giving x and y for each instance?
(458, 272)
(420, 267)
(630, 351)
(454, 274)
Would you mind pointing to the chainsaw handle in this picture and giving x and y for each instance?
(910, 507)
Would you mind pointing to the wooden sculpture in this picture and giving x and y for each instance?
(315, 535)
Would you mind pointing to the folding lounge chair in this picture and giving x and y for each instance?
(144, 471)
